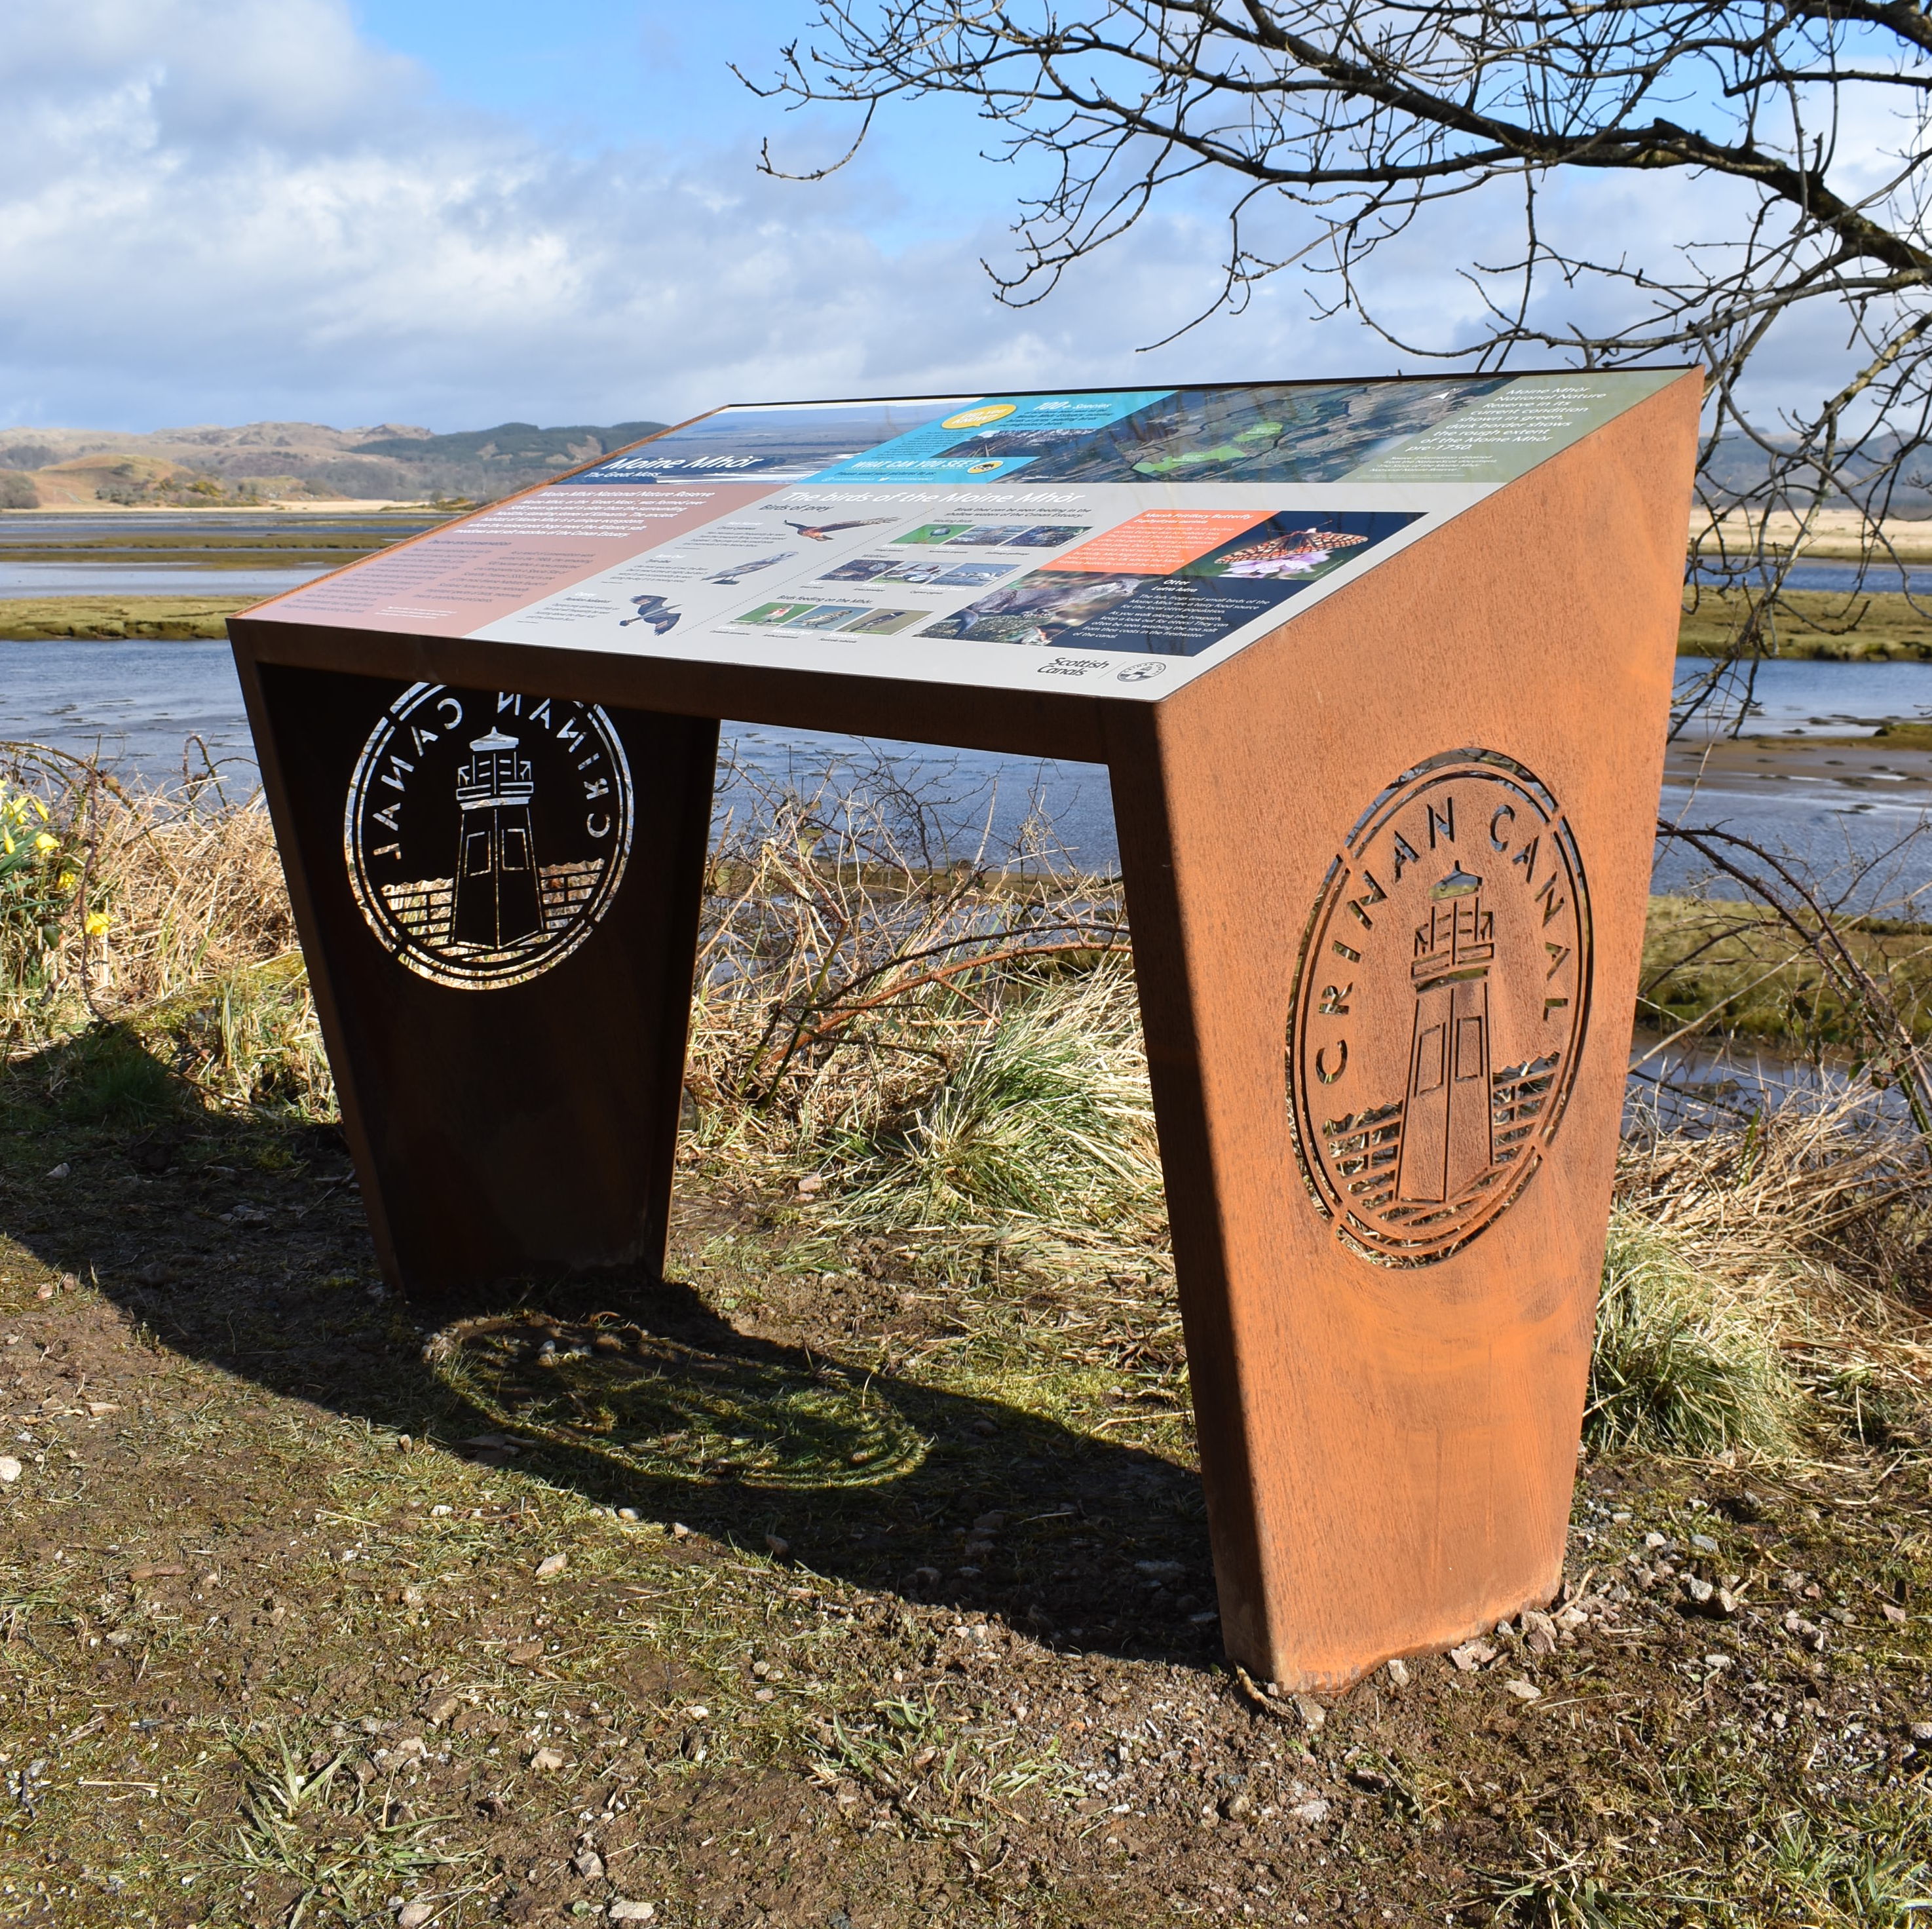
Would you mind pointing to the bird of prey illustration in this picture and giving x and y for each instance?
(656, 610)
(738, 569)
(824, 532)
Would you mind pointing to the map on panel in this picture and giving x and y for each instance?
(1127, 538)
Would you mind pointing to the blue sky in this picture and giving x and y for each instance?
(355, 211)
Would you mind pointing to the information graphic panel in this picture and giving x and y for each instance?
(1130, 539)
(1380, 673)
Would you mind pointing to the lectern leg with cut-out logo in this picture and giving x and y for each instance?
(498, 899)
(1386, 862)
(1387, 875)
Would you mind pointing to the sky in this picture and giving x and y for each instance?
(357, 211)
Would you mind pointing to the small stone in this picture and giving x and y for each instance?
(492, 1808)
(1655, 1540)
(1312, 1714)
(441, 1708)
(1893, 1613)
(1314, 1812)
(552, 1563)
(1236, 1807)
(623, 1910)
(414, 1914)
(442, 1509)
(779, 1545)
(1398, 1672)
(523, 1652)
(1471, 1656)
(989, 1523)
(1539, 1632)
(545, 1760)
(627, 1514)
(812, 1182)
(1724, 1604)
(1703, 1543)
(62, 1171)
(10, 1468)
(46, 1292)
(1920, 1732)
(1159, 1570)
(1699, 1593)
(588, 1863)
(679, 1531)
(1523, 1690)
(1571, 1618)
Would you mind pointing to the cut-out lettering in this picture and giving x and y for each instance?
(1374, 895)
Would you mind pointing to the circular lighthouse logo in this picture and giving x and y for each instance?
(486, 832)
(1439, 1005)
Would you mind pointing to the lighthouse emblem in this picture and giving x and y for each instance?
(1440, 999)
(486, 832)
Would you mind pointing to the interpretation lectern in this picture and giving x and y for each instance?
(1380, 671)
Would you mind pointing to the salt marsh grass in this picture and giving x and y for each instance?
(936, 1067)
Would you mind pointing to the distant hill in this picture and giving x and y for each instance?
(392, 462)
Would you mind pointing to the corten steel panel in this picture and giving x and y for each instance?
(1389, 1450)
(530, 1127)
(1388, 1447)
(1047, 722)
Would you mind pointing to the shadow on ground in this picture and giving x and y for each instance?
(238, 1241)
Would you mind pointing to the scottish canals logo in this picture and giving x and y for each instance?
(486, 832)
(1439, 1005)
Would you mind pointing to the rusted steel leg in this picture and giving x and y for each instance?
(498, 897)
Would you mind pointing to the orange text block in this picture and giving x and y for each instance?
(1159, 542)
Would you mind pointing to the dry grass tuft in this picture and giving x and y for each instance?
(1680, 1363)
(154, 923)
(942, 1063)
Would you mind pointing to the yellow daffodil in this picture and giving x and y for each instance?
(96, 922)
(44, 842)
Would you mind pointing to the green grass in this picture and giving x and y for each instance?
(1678, 1366)
(1045, 1114)
(1818, 625)
(1735, 966)
(117, 618)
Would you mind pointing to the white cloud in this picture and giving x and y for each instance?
(215, 210)
(209, 209)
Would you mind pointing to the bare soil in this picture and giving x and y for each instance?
(737, 1596)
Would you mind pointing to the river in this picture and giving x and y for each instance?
(137, 703)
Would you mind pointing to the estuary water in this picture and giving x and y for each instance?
(135, 704)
